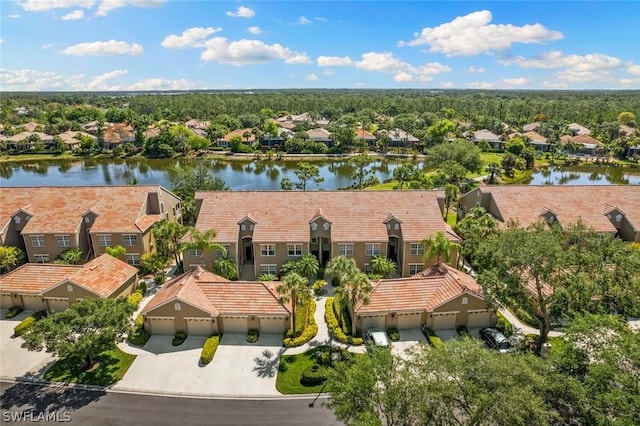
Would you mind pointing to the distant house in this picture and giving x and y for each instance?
(588, 144)
(577, 129)
(627, 130)
(246, 135)
(291, 121)
(400, 138)
(283, 134)
(320, 135)
(487, 136)
(118, 134)
(31, 126)
(365, 136)
(531, 127)
(26, 140)
(72, 139)
(538, 141)
(197, 127)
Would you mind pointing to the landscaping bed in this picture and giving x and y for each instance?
(110, 367)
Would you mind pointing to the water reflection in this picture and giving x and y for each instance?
(592, 175)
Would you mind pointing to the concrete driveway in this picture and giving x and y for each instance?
(446, 335)
(238, 368)
(14, 360)
(408, 339)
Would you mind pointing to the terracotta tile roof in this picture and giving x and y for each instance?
(103, 275)
(627, 130)
(424, 291)
(586, 140)
(535, 137)
(31, 126)
(118, 133)
(531, 126)
(70, 137)
(35, 278)
(219, 296)
(60, 209)
(356, 216)
(569, 203)
(579, 129)
(319, 134)
(197, 124)
(146, 221)
(240, 132)
(363, 134)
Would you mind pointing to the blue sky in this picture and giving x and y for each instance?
(178, 45)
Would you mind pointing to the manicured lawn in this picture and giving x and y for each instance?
(290, 371)
(387, 186)
(113, 366)
(491, 157)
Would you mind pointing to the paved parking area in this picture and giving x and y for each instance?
(238, 368)
(408, 339)
(446, 335)
(14, 360)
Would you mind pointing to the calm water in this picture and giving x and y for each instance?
(239, 175)
(595, 175)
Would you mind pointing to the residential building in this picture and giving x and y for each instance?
(197, 127)
(365, 137)
(27, 140)
(487, 136)
(531, 127)
(118, 134)
(588, 145)
(627, 131)
(246, 136)
(438, 298)
(320, 135)
(263, 229)
(54, 287)
(279, 139)
(578, 129)
(613, 209)
(45, 221)
(72, 139)
(400, 138)
(199, 302)
(536, 140)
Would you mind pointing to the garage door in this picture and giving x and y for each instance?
(479, 319)
(373, 322)
(272, 326)
(57, 305)
(199, 326)
(406, 321)
(162, 326)
(234, 325)
(5, 301)
(444, 321)
(33, 303)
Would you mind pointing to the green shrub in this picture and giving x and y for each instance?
(39, 315)
(13, 311)
(314, 375)
(138, 336)
(463, 331)
(320, 274)
(25, 325)
(335, 281)
(179, 338)
(504, 325)
(253, 336)
(332, 323)
(394, 334)
(142, 288)
(135, 298)
(209, 349)
(432, 337)
(308, 333)
(139, 322)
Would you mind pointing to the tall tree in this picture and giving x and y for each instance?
(451, 194)
(404, 173)
(202, 241)
(381, 265)
(440, 247)
(225, 267)
(288, 289)
(186, 181)
(342, 267)
(10, 257)
(307, 174)
(307, 266)
(352, 291)
(362, 175)
(167, 235)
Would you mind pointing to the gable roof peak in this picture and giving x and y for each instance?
(319, 214)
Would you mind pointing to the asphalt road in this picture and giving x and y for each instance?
(22, 403)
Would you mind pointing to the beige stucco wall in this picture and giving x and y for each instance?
(186, 311)
(474, 303)
(281, 256)
(50, 246)
(208, 255)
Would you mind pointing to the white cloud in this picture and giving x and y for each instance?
(485, 85)
(48, 46)
(312, 77)
(473, 34)
(242, 12)
(515, 82)
(245, 51)
(557, 59)
(505, 83)
(629, 82)
(162, 84)
(358, 84)
(14, 16)
(402, 72)
(1, 41)
(634, 69)
(334, 61)
(72, 16)
(100, 82)
(473, 69)
(447, 85)
(28, 80)
(254, 30)
(43, 5)
(108, 5)
(111, 47)
(303, 21)
(554, 85)
(191, 37)
(583, 76)
(329, 71)
(320, 19)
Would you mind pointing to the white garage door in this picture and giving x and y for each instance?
(234, 325)
(57, 305)
(479, 319)
(406, 321)
(5, 301)
(444, 321)
(272, 326)
(162, 326)
(199, 326)
(33, 303)
(373, 322)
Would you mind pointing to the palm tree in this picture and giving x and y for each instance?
(203, 241)
(383, 266)
(492, 169)
(288, 289)
(451, 194)
(342, 268)
(167, 235)
(266, 277)
(308, 266)
(352, 291)
(305, 295)
(225, 267)
(438, 246)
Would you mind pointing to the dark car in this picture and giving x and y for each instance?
(496, 340)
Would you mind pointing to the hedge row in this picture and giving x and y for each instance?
(13, 311)
(28, 322)
(432, 337)
(314, 375)
(209, 349)
(308, 333)
(332, 323)
(135, 298)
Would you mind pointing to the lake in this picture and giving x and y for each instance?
(593, 175)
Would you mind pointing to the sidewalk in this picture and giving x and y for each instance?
(519, 327)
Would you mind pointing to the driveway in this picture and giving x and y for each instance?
(446, 335)
(238, 368)
(14, 360)
(408, 339)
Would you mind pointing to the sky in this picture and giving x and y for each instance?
(98, 45)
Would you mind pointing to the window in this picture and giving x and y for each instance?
(243, 227)
(132, 258)
(388, 227)
(267, 249)
(69, 288)
(372, 249)
(63, 241)
(326, 226)
(465, 300)
(86, 219)
(41, 258)
(414, 268)
(268, 269)
(314, 226)
(396, 226)
(367, 268)
(104, 240)
(161, 207)
(227, 248)
(37, 240)
(17, 220)
(130, 240)
(251, 227)
(176, 210)
(177, 307)
(294, 249)
(345, 249)
(417, 248)
(195, 252)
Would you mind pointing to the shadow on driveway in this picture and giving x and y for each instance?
(267, 364)
(162, 344)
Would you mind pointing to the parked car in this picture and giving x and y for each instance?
(377, 338)
(496, 340)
